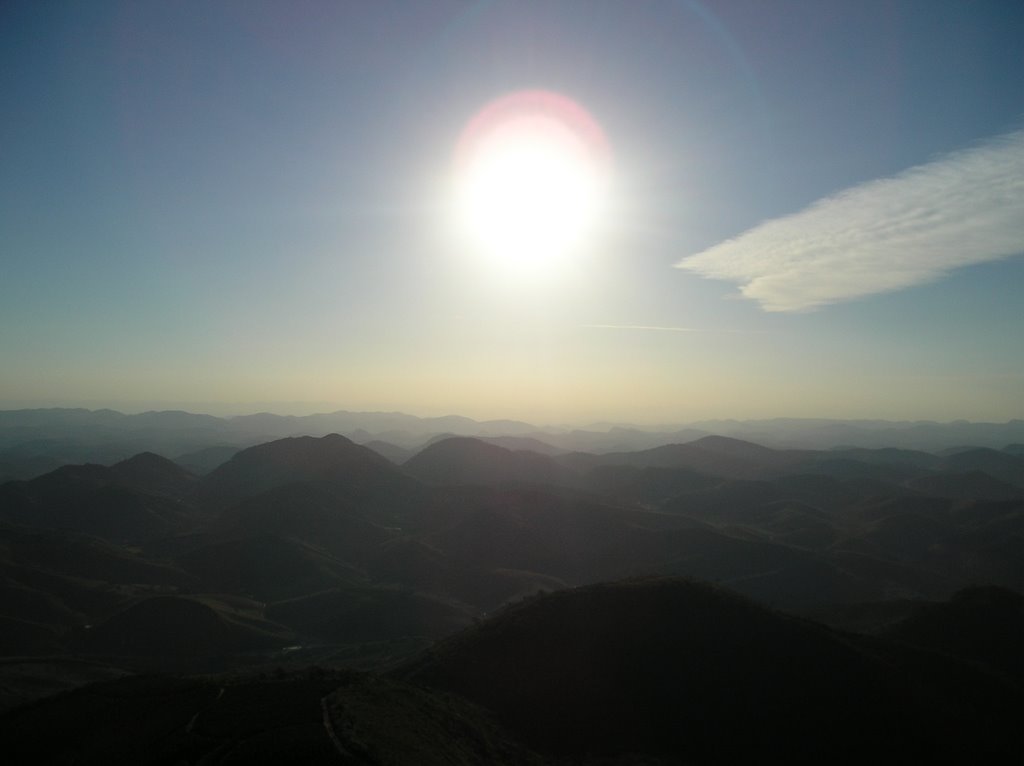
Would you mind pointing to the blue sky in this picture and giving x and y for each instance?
(232, 206)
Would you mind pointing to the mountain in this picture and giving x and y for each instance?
(201, 462)
(1000, 465)
(684, 672)
(314, 513)
(201, 629)
(35, 441)
(316, 550)
(154, 474)
(137, 499)
(332, 459)
(461, 460)
(392, 452)
(362, 613)
(52, 582)
(711, 455)
(807, 433)
(968, 485)
(416, 564)
(984, 625)
(308, 717)
(265, 567)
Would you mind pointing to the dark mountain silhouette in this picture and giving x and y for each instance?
(308, 718)
(514, 443)
(83, 558)
(318, 550)
(362, 613)
(134, 500)
(313, 513)
(392, 452)
(27, 462)
(684, 672)
(460, 460)
(887, 456)
(200, 630)
(34, 441)
(984, 625)
(388, 722)
(201, 462)
(847, 468)
(524, 443)
(712, 455)
(53, 582)
(649, 486)
(333, 459)
(27, 679)
(967, 485)
(415, 564)
(825, 434)
(265, 567)
(154, 474)
(1000, 465)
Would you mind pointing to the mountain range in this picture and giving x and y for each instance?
(508, 600)
(33, 442)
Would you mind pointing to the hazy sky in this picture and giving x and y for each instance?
(816, 209)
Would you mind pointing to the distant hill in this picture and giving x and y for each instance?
(711, 455)
(969, 485)
(35, 441)
(515, 443)
(201, 462)
(152, 473)
(461, 460)
(392, 452)
(1000, 465)
(332, 458)
(137, 499)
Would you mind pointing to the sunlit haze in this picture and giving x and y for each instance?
(559, 212)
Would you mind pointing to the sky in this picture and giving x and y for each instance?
(813, 209)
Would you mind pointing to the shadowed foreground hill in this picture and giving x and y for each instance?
(306, 719)
(981, 624)
(171, 627)
(679, 670)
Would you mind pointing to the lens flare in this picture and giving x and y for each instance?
(531, 175)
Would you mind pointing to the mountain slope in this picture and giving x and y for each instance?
(683, 671)
(711, 455)
(332, 458)
(462, 460)
(137, 499)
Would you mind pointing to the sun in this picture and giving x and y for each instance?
(531, 174)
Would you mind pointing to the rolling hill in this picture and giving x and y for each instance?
(685, 672)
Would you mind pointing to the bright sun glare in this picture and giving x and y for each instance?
(531, 177)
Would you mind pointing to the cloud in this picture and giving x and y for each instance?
(889, 234)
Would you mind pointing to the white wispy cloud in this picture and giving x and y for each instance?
(889, 234)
